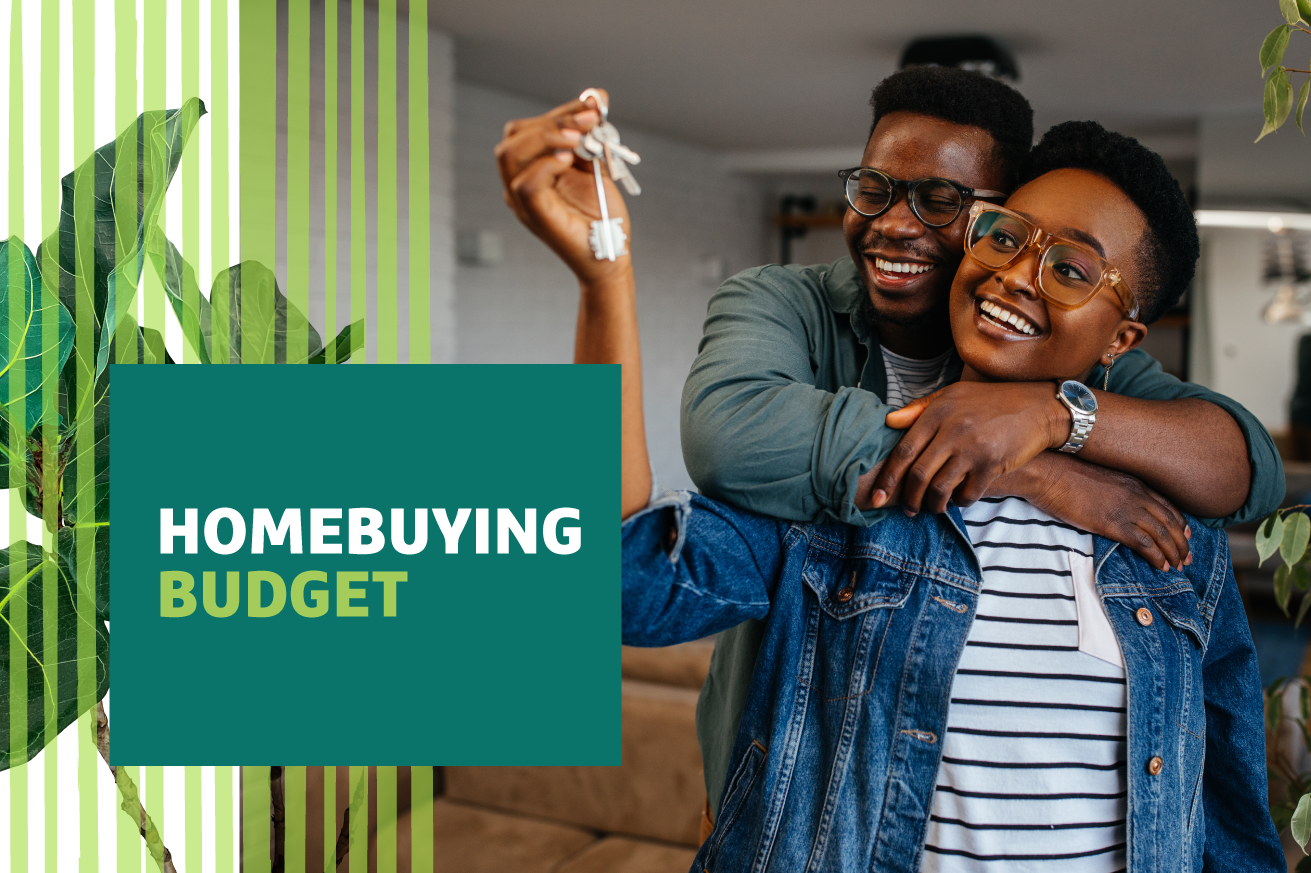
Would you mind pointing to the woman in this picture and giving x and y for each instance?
(984, 690)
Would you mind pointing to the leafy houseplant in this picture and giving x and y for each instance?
(1278, 102)
(69, 311)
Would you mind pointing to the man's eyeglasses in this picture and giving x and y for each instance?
(935, 202)
(1069, 273)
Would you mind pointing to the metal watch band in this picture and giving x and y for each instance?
(1081, 423)
(1079, 430)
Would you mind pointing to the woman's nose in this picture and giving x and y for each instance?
(1020, 277)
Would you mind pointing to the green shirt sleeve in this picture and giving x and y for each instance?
(758, 432)
(1137, 374)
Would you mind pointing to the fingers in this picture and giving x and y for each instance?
(1176, 527)
(900, 419)
(899, 461)
(949, 478)
(920, 478)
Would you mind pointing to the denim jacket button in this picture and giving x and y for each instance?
(1155, 765)
(1144, 617)
(844, 594)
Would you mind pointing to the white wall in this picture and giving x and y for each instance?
(691, 212)
(1250, 361)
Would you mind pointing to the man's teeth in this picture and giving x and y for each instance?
(901, 266)
(1010, 318)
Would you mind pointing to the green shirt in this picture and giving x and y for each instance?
(783, 412)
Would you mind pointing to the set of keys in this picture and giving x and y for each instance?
(601, 143)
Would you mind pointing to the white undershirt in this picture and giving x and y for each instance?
(910, 379)
(1032, 778)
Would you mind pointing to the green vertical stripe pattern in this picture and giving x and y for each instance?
(386, 823)
(420, 243)
(130, 844)
(329, 819)
(84, 46)
(298, 175)
(256, 801)
(386, 188)
(359, 209)
(358, 857)
(49, 179)
(421, 786)
(294, 792)
(190, 173)
(330, 54)
(225, 841)
(258, 203)
(16, 636)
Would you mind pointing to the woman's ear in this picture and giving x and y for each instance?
(1127, 337)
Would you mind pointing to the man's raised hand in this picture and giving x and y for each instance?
(553, 192)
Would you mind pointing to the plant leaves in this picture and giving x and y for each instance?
(1282, 587)
(1272, 102)
(347, 343)
(1297, 533)
(259, 317)
(94, 538)
(22, 281)
(1272, 49)
(1302, 94)
(1288, 8)
(1269, 534)
(160, 138)
(1300, 825)
(1304, 10)
(87, 502)
(1301, 614)
(1283, 96)
(56, 681)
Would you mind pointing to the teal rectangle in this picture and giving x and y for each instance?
(490, 659)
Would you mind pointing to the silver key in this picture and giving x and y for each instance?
(601, 143)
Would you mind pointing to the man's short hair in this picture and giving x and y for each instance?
(962, 97)
(1168, 252)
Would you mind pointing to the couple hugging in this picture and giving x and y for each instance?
(941, 646)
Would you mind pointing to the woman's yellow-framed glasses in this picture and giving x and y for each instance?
(1069, 273)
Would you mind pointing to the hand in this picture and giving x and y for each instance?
(553, 192)
(963, 437)
(1104, 502)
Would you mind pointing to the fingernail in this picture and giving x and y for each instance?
(586, 117)
(1188, 532)
(1188, 560)
(1165, 568)
(572, 135)
(564, 156)
(909, 513)
(880, 498)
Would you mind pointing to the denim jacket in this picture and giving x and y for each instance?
(837, 754)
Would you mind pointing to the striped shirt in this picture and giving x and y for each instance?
(1033, 762)
(910, 379)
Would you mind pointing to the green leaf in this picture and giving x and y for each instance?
(87, 501)
(347, 343)
(1302, 94)
(1272, 49)
(1304, 10)
(1288, 8)
(55, 682)
(1301, 613)
(1269, 535)
(259, 317)
(1297, 533)
(22, 329)
(1277, 103)
(1300, 825)
(93, 540)
(147, 151)
(1282, 588)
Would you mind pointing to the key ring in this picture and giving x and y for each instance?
(600, 102)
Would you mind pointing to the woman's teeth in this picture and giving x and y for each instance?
(901, 266)
(999, 314)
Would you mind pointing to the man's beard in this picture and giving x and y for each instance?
(867, 317)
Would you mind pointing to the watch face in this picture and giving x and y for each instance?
(1077, 395)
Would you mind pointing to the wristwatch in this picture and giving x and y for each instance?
(1082, 404)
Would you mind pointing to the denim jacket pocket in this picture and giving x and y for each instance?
(736, 791)
(847, 587)
(1180, 609)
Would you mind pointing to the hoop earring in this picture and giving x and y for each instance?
(1107, 378)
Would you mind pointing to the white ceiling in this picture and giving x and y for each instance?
(737, 75)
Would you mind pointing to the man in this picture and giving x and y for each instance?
(784, 408)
